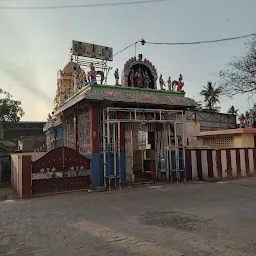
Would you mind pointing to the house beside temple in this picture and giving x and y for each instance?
(231, 138)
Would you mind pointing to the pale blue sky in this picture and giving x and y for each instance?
(34, 44)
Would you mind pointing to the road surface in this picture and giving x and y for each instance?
(163, 219)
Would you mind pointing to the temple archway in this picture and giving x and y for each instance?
(146, 70)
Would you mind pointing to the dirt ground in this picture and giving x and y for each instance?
(6, 191)
(200, 219)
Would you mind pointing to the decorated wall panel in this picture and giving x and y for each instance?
(84, 132)
(70, 140)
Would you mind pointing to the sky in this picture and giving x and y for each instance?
(34, 44)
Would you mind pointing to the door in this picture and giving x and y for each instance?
(162, 148)
(179, 151)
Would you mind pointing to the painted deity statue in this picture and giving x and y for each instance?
(170, 85)
(49, 117)
(116, 74)
(161, 82)
(180, 84)
(146, 79)
(92, 74)
(131, 77)
(82, 78)
(139, 78)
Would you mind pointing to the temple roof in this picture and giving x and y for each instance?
(68, 68)
(128, 95)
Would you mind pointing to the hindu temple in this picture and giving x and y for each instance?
(132, 130)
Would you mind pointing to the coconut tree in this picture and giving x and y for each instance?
(232, 111)
(211, 96)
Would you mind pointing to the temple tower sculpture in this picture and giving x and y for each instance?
(65, 85)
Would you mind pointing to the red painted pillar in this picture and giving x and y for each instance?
(94, 132)
(26, 176)
(188, 165)
(121, 115)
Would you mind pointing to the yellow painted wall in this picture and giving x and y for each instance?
(248, 140)
(244, 140)
(238, 143)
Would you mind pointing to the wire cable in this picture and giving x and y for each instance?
(204, 42)
(77, 5)
(127, 47)
(143, 42)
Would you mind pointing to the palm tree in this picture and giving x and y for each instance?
(232, 111)
(246, 114)
(211, 96)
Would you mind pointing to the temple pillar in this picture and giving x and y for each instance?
(97, 164)
(94, 129)
(121, 115)
(158, 135)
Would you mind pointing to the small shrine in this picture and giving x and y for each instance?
(131, 130)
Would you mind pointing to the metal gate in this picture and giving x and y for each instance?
(168, 144)
(62, 169)
(111, 150)
(176, 153)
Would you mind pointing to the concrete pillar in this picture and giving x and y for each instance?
(26, 176)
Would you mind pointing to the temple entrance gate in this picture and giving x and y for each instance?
(164, 129)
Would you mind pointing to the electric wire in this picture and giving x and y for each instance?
(143, 42)
(51, 7)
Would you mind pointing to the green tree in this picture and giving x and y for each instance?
(240, 77)
(241, 118)
(232, 111)
(211, 96)
(10, 110)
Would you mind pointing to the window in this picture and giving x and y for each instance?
(219, 142)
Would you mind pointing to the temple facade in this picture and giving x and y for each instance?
(131, 131)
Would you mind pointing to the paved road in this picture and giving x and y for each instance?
(173, 219)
